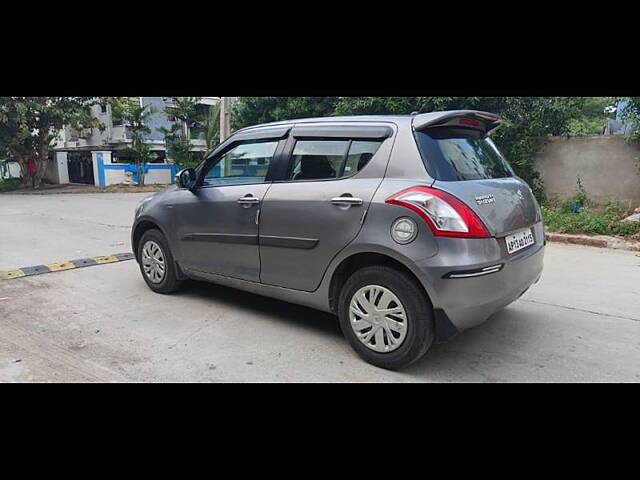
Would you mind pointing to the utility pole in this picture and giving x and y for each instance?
(225, 124)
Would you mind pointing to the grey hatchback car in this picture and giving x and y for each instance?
(408, 228)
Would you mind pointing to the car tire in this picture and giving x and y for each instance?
(419, 330)
(168, 283)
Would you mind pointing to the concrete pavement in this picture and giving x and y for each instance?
(580, 323)
(40, 229)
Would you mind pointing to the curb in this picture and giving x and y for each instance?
(63, 266)
(600, 241)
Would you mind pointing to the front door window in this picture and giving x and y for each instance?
(246, 163)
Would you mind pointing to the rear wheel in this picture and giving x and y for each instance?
(386, 317)
(156, 263)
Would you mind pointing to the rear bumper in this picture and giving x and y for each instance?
(468, 300)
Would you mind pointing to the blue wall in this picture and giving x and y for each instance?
(174, 169)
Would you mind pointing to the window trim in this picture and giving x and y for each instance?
(340, 132)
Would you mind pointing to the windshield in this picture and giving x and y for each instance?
(452, 154)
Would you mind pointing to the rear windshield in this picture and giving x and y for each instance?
(452, 154)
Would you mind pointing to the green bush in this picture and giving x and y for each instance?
(591, 118)
(580, 198)
(589, 221)
(9, 184)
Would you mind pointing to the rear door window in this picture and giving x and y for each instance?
(360, 153)
(452, 154)
(330, 159)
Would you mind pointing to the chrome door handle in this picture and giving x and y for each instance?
(248, 200)
(347, 201)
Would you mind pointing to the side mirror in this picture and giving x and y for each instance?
(186, 178)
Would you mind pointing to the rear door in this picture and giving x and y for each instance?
(467, 164)
(318, 205)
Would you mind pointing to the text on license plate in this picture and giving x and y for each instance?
(519, 240)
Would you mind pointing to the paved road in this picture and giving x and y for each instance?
(40, 229)
(580, 323)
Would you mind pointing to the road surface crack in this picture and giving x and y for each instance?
(583, 310)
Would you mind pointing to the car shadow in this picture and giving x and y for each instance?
(259, 305)
(467, 357)
(478, 354)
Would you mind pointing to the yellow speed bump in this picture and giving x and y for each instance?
(11, 274)
(66, 265)
(58, 267)
(109, 259)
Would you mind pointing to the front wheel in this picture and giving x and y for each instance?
(386, 317)
(156, 263)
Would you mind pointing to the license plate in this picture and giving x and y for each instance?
(519, 240)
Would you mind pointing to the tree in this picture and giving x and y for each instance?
(177, 145)
(248, 111)
(401, 105)
(592, 117)
(29, 125)
(184, 109)
(631, 114)
(177, 138)
(212, 127)
(136, 117)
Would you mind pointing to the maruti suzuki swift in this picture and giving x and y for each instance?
(409, 228)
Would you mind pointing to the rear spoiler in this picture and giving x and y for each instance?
(458, 118)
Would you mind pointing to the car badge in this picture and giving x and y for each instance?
(485, 199)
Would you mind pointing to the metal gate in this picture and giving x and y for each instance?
(80, 167)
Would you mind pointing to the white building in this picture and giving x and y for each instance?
(92, 156)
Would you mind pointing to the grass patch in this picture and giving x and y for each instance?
(590, 221)
(9, 184)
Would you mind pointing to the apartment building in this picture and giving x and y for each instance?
(96, 157)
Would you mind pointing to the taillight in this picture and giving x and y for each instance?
(445, 214)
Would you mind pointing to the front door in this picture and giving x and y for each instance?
(217, 225)
(318, 208)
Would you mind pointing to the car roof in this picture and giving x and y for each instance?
(421, 119)
(336, 119)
